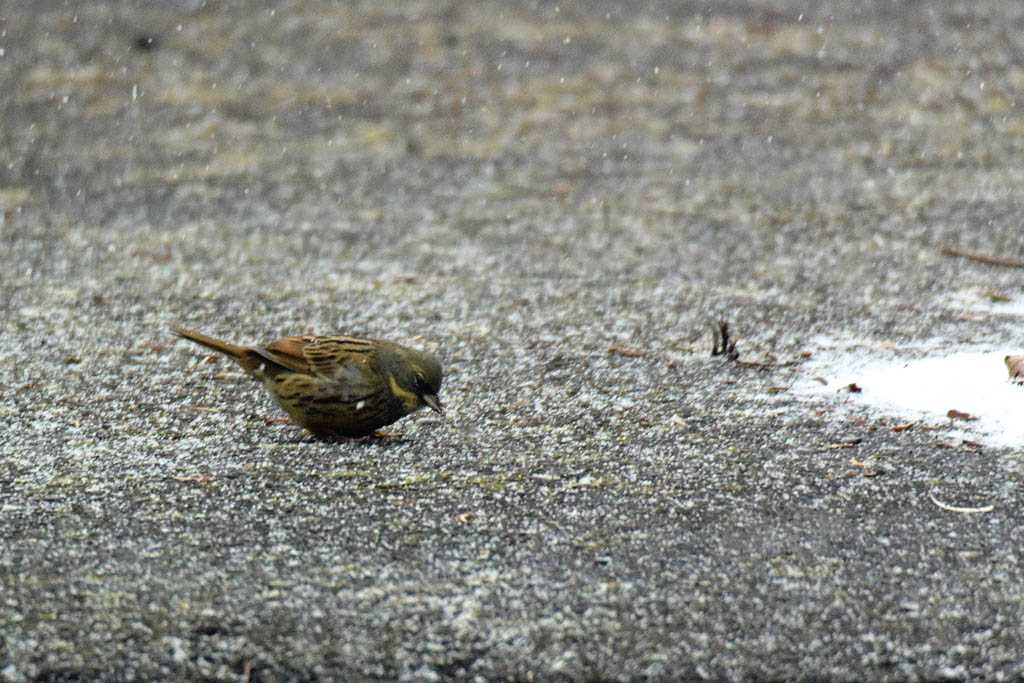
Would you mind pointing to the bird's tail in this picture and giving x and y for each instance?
(211, 343)
(243, 355)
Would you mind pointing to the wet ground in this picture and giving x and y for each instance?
(558, 200)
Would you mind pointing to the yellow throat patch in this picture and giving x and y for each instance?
(409, 400)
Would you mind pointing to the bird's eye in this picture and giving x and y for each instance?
(421, 383)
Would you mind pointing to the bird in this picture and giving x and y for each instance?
(337, 386)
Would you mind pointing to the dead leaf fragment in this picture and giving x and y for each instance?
(564, 188)
(623, 351)
(1015, 364)
(903, 427)
(853, 388)
(954, 414)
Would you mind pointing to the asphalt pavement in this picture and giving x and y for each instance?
(560, 200)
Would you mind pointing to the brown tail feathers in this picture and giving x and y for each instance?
(243, 355)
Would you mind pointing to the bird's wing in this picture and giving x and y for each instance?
(328, 357)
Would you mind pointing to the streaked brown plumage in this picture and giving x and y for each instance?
(338, 386)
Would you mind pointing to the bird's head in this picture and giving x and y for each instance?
(415, 378)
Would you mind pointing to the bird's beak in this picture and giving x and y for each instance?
(433, 402)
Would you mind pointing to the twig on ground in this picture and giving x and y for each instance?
(722, 344)
(982, 258)
(954, 508)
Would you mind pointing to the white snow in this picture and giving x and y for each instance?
(968, 380)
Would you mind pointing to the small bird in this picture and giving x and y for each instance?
(338, 386)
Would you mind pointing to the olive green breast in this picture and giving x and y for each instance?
(336, 408)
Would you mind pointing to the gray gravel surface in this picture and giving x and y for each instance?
(557, 199)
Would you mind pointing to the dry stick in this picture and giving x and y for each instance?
(955, 508)
(993, 260)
